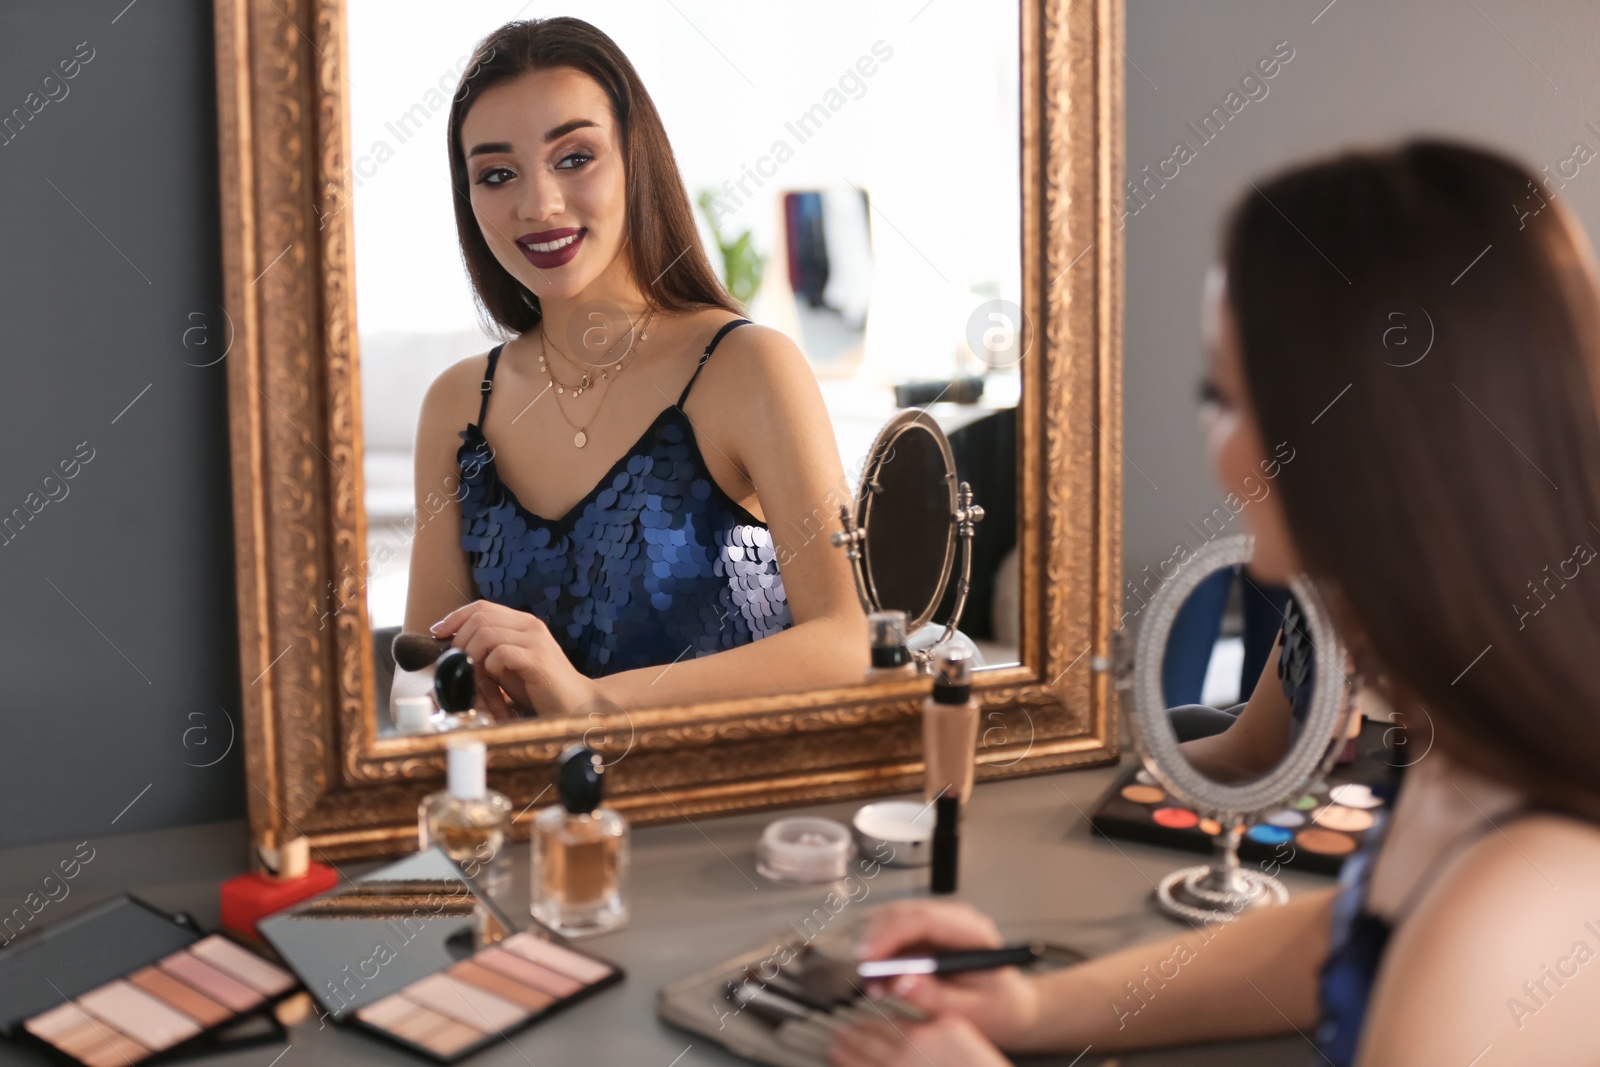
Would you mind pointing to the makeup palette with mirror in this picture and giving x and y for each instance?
(416, 953)
(125, 983)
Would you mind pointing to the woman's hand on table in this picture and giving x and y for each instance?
(1002, 1004)
(947, 1042)
(516, 656)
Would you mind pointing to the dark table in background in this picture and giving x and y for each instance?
(1028, 859)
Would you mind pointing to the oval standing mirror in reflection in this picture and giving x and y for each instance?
(907, 499)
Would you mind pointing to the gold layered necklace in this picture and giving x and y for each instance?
(580, 436)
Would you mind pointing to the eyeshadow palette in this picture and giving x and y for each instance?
(1314, 832)
(415, 953)
(125, 984)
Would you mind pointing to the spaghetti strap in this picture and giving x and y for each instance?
(707, 355)
(1460, 844)
(487, 384)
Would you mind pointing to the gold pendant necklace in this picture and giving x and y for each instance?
(580, 436)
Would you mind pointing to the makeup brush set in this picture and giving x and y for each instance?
(782, 1004)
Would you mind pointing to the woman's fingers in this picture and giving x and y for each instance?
(947, 1042)
(905, 924)
(868, 1044)
(514, 663)
(492, 699)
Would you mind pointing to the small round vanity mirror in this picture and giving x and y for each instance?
(910, 515)
(1219, 729)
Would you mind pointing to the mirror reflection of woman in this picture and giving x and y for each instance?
(643, 476)
(1425, 503)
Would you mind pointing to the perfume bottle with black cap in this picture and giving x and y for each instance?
(580, 852)
(891, 659)
(455, 690)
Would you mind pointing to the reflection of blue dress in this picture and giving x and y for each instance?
(1296, 665)
(655, 564)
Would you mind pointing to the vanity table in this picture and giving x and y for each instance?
(697, 900)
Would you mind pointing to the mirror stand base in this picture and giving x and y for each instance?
(1205, 894)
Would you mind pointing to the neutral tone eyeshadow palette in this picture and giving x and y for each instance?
(125, 984)
(1314, 832)
(414, 953)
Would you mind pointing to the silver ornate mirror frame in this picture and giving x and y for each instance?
(1222, 889)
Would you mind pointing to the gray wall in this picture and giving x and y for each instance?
(117, 627)
(1366, 71)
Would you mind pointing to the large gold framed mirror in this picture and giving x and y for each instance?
(942, 234)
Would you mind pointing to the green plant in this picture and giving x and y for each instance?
(740, 261)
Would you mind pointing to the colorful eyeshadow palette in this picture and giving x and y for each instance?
(126, 984)
(415, 953)
(1314, 832)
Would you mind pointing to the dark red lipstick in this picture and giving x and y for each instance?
(558, 246)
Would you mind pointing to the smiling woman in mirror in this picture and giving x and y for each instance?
(642, 473)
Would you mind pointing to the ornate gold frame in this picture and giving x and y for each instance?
(314, 762)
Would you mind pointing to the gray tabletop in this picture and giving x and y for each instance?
(1028, 859)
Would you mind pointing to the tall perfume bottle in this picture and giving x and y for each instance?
(468, 820)
(580, 852)
(950, 725)
(891, 659)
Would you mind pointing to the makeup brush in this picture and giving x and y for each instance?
(818, 980)
(414, 652)
(953, 962)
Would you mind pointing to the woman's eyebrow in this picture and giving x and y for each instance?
(562, 130)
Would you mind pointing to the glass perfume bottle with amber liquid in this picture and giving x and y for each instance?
(580, 853)
(468, 820)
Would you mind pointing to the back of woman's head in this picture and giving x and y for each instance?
(1424, 334)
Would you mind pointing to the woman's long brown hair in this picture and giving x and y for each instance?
(663, 245)
(1422, 325)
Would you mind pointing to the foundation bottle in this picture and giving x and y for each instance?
(468, 820)
(950, 725)
(580, 853)
(891, 659)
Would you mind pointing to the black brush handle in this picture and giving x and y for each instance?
(983, 959)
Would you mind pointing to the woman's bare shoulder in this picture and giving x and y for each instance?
(1494, 952)
(757, 357)
(453, 398)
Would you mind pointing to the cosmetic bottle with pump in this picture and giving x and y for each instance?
(468, 820)
(950, 725)
(891, 659)
(580, 852)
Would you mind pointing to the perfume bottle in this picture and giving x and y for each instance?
(468, 820)
(415, 715)
(455, 690)
(580, 852)
(285, 876)
(891, 659)
(950, 725)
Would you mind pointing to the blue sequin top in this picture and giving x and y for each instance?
(655, 564)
